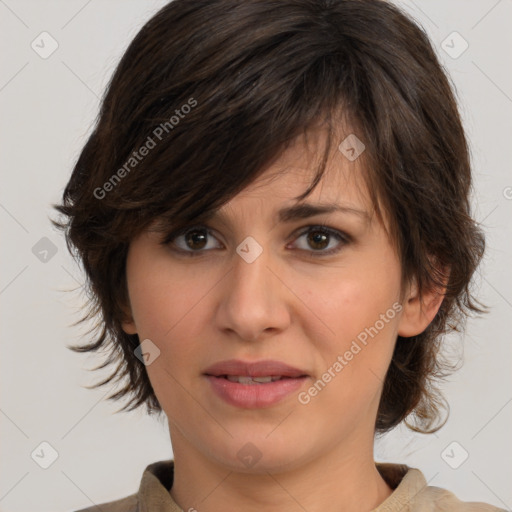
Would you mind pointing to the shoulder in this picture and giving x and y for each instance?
(127, 504)
(412, 494)
(153, 492)
(442, 500)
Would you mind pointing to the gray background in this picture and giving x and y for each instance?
(48, 106)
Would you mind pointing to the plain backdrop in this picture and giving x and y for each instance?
(48, 106)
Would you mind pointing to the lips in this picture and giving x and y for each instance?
(253, 385)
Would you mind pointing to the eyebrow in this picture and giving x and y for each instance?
(303, 211)
(306, 210)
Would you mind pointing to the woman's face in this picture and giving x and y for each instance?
(253, 287)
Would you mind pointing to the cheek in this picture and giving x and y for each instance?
(159, 296)
(167, 309)
(170, 306)
(363, 325)
(357, 297)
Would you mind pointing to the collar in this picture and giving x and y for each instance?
(154, 491)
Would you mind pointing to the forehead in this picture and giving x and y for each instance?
(291, 174)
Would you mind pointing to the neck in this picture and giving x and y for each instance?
(345, 475)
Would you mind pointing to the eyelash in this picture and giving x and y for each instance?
(338, 235)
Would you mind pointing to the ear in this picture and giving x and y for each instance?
(418, 314)
(128, 323)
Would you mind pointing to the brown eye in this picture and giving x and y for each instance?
(196, 239)
(320, 238)
(192, 241)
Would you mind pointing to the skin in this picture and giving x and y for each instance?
(287, 305)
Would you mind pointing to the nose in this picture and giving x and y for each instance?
(254, 299)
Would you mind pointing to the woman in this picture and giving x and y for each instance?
(273, 214)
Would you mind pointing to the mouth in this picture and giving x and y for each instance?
(252, 385)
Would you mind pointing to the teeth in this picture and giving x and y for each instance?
(243, 379)
(262, 379)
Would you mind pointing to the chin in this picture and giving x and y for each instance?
(259, 454)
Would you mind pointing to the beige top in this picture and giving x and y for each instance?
(411, 493)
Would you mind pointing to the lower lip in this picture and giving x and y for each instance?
(253, 396)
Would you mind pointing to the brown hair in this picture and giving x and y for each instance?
(215, 90)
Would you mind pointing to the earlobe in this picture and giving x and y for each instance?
(128, 323)
(417, 314)
(129, 327)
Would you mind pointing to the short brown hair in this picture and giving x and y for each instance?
(254, 75)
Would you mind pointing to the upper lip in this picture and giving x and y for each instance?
(262, 368)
